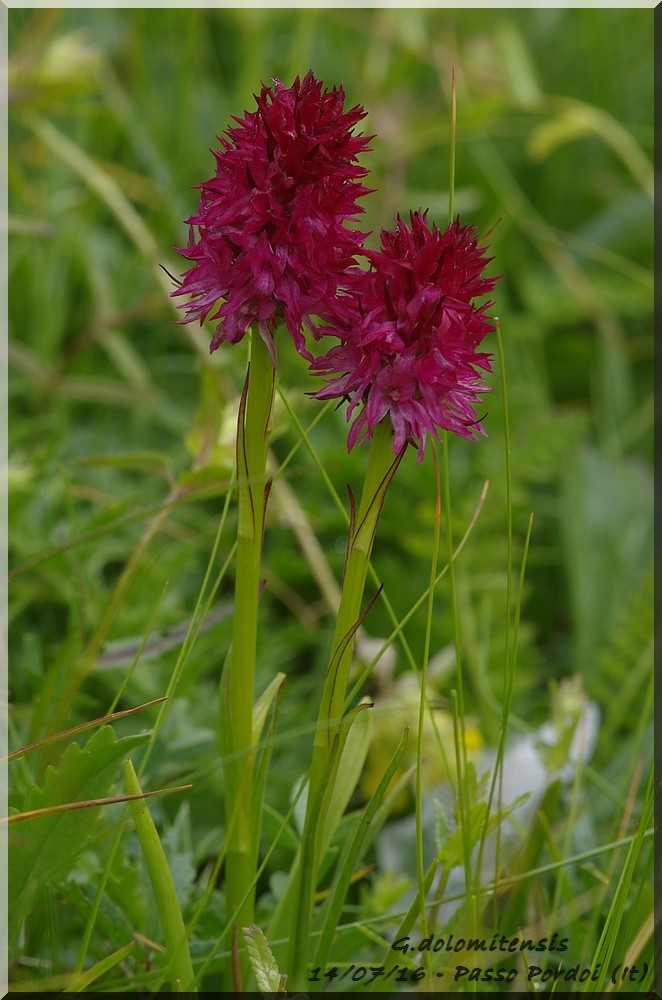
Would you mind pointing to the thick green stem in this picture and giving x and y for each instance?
(237, 690)
(382, 465)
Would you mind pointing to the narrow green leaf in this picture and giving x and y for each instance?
(611, 932)
(412, 913)
(576, 120)
(308, 860)
(353, 846)
(273, 823)
(100, 969)
(269, 697)
(264, 703)
(148, 461)
(181, 972)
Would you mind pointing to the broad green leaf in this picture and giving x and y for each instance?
(211, 439)
(348, 774)
(44, 849)
(442, 826)
(452, 851)
(263, 963)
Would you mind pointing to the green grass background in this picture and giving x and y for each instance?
(113, 407)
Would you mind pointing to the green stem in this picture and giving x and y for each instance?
(420, 865)
(237, 689)
(382, 465)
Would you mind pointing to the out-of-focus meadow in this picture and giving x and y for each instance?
(122, 436)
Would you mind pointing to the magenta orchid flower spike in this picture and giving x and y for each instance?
(272, 237)
(409, 332)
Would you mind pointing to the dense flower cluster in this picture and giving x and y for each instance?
(408, 330)
(272, 241)
(273, 245)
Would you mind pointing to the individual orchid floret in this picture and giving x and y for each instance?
(409, 330)
(272, 239)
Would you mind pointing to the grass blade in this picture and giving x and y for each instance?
(100, 969)
(174, 932)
